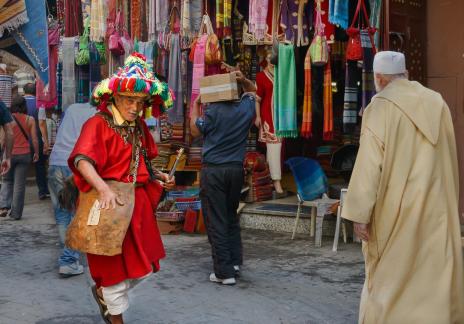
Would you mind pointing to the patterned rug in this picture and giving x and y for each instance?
(13, 14)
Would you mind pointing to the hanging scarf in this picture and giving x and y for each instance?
(285, 105)
(368, 85)
(33, 38)
(135, 10)
(198, 68)
(306, 126)
(59, 84)
(219, 18)
(60, 12)
(97, 21)
(46, 95)
(257, 20)
(94, 67)
(227, 18)
(328, 107)
(73, 18)
(339, 12)
(151, 20)
(176, 114)
(350, 107)
(68, 74)
(162, 14)
(376, 6)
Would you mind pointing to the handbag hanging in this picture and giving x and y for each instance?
(119, 38)
(354, 51)
(319, 49)
(213, 53)
(83, 55)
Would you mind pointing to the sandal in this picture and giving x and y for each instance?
(4, 212)
(101, 305)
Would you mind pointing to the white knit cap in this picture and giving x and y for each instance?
(389, 62)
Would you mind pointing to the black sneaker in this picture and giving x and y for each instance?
(43, 197)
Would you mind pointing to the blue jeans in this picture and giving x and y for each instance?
(56, 177)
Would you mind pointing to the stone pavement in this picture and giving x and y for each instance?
(282, 281)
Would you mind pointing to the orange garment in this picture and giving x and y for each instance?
(21, 144)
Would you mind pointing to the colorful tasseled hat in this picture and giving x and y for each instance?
(135, 78)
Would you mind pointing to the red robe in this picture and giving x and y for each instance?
(142, 247)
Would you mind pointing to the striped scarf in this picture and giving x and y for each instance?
(339, 12)
(227, 18)
(350, 107)
(368, 85)
(12, 15)
(306, 126)
(73, 18)
(68, 73)
(328, 107)
(176, 115)
(97, 21)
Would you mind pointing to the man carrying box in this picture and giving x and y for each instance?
(225, 127)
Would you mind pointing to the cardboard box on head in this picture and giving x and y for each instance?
(219, 87)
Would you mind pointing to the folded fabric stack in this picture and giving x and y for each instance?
(162, 160)
(261, 186)
(194, 158)
(178, 132)
(166, 128)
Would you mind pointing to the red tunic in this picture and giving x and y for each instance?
(142, 247)
(265, 90)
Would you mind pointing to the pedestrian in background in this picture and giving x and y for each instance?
(403, 200)
(68, 133)
(13, 187)
(6, 125)
(225, 127)
(41, 133)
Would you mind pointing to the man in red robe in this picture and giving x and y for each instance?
(104, 151)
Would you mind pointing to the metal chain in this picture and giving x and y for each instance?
(136, 166)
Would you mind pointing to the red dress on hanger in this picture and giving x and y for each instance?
(265, 90)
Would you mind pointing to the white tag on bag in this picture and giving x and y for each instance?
(94, 214)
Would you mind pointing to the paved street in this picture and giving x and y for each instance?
(283, 281)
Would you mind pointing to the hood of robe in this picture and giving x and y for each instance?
(421, 105)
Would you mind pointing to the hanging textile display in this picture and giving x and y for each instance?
(46, 94)
(285, 104)
(135, 21)
(295, 19)
(162, 14)
(60, 12)
(33, 38)
(6, 83)
(94, 67)
(257, 21)
(376, 7)
(368, 85)
(198, 68)
(98, 20)
(146, 48)
(219, 18)
(12, 15)
(86, 9)
(176, 114)
(73, 18)
(329, 28)
(68, 73)
(350, 107)
(339, 12)
(306, 125)
(227, 18)
(328, 105)
(191, 17)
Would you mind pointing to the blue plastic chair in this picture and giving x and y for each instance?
(311, 183)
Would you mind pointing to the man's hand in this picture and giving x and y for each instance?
(168, 183)
(46, 149)
(35, 158)
(361, 231)
(108, 199)
(239, 76)
(6, 165)
(197, 100)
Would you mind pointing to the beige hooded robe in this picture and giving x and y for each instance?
(405, 185)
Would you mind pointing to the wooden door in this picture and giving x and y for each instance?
(445, 66)
(407, 33)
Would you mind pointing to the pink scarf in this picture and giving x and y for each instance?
(198, 68)
(257, 21)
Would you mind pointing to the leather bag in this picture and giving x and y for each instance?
(107, 237)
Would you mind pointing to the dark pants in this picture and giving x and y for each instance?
(41, 171)
(220, 196)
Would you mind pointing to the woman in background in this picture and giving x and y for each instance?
(13, 187)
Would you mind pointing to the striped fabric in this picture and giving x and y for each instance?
(306, 126)
(22, 77)
(350, 107)
(368, 85)
(6, 83)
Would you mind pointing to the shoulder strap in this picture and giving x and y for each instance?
(21, 127)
